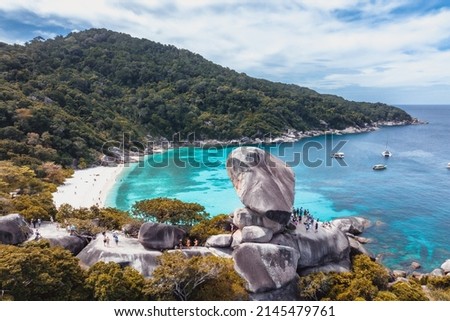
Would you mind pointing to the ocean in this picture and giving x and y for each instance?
(408, 203)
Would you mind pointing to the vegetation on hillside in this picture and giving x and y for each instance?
(63, 98)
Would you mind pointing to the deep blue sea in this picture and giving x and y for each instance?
(408, 203)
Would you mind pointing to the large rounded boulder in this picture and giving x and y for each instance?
(13, 229)
(265, 267)
(128, 252)
(72, 243)
(158, 236)
(264, 183)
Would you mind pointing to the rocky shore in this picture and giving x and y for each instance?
(292, 135)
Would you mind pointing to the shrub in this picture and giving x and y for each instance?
(408, 291)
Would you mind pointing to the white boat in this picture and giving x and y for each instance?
(448, 165)
(379, 167)
(338, 155)
(386, 153)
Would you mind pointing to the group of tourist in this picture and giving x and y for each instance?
(300, 215)
(106, 239)
(187, 244)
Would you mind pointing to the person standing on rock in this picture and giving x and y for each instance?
(116, 238)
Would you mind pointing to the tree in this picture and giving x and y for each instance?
(227, 286)
(177, 277)
(38, 272)
(205, 228)
(111, 282)
(166, 210)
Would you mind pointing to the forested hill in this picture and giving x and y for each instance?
(60, 99)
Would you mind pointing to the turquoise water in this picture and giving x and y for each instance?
(408, 203)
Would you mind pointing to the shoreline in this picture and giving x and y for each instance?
(87, 187)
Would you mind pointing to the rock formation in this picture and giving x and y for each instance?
(265, 266)
(263, 183)
(13, 229)
(446, 266)
(129, 252)
(156, 236)
(269, 250)
(74, 244)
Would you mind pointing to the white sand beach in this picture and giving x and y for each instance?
(87, 187)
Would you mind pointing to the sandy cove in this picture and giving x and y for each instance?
(87, 187)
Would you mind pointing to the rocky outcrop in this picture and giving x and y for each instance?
(129, 252)
(354, 225)
(415, 265)
(288, 292)
(243, 217)
(437, 272)
(339, 267)
(158, 236)
(74, 244)
(399, 274)
(256, 234)
(357, 248)
(446, 266)
(327, 245)
(221, 240)
(265, 267)
(13, 229)
(264, 183)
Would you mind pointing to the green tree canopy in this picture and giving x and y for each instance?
(111, 282)
(196, 278)
(167, 210)
(38, 272)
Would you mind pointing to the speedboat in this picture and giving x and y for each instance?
(386, 153)
(379, 167)
(448, 165)
(338, 155)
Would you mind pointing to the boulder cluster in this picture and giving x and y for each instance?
(269, 251)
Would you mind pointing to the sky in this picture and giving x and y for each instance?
(391, 51)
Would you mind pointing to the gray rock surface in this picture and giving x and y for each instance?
(13, 229)
(339, 267)
(256, 234)
(220, 240)
(74, 244)
(357, 248)
(265, 267)
(243, 217)
(354, 225)
(288, 292)
(415, 265)
(263, 182)
(160, 236)
(237, 239)
(437, 272)
(399, 274)
(327, 245)
(446, 266)
(129, 252)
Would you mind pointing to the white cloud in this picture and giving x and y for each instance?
(317, 43)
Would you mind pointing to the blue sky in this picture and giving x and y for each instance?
(393, 51)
